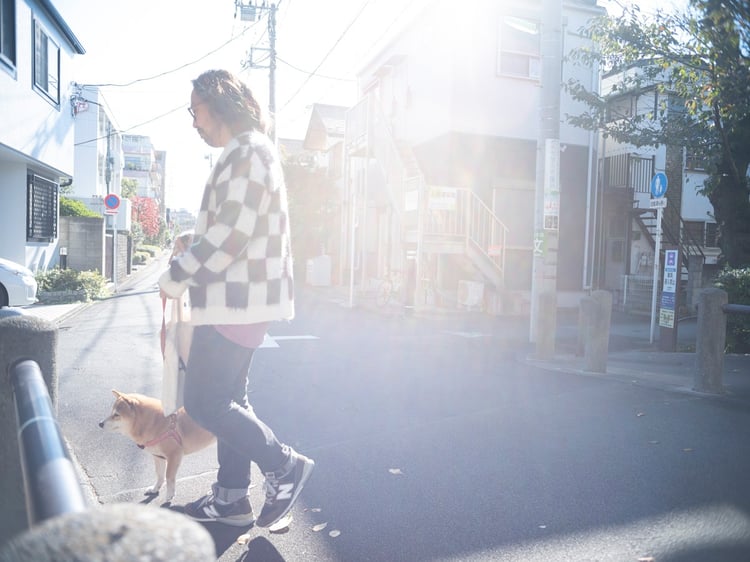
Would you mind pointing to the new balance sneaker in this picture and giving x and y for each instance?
(238, 513)
(282, 490)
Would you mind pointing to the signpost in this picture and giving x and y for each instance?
(669, 301)
(111, 204)
(659, 186)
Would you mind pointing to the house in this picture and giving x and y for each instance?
(441, 158)
(627, 252)
(99, 161)
(36, 127)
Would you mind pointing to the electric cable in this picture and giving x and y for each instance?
(167, 72)
(325, 58)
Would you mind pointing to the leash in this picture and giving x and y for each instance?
(171, 432)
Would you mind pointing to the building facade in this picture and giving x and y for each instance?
(442, 157)
(36, 127)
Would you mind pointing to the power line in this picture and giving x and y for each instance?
(318, 75)
(309, 77)
(151, 120)
(165, 73)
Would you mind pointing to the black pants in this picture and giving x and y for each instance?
(216, 398)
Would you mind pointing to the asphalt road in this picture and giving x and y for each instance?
(432, 442)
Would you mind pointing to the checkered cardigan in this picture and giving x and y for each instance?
(239, 268)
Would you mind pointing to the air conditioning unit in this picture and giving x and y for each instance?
(470, 294)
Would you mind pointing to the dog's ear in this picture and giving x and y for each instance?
(117, 393)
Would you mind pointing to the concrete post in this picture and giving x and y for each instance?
(118, 532)
(21, 337)
(710, 341)
(597, 313)
(546, 325)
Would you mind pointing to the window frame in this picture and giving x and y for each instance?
(42, 208)
(533, 56)
(8, 39)
(45, 63)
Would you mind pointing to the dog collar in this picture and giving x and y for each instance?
(171, 432)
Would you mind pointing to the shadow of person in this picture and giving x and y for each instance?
(224, 536)
(260, 548)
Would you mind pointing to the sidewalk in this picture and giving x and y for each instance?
(632, 358)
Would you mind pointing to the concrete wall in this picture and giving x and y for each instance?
(84, 239)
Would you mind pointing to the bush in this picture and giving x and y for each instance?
(74, 208)
(152, 251)
(736, 282)
(85, 285)
(139, 257)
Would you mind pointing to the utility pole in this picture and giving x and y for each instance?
(113, 218)
(250, 12)
(547, 195)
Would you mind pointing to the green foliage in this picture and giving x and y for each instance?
(140, 257)
(89, 284)
(73, 208)
(736, 282)
(150, 249)
(698, 64)
(128, 188)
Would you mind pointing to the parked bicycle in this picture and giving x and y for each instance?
(389, 288)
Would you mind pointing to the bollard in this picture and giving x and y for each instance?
(597, 313)
(119, 532)
(710, 341)
(546, 330)
(21, 337)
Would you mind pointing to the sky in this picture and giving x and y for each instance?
(144, 53)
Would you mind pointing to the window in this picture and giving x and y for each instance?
(46, 64)
(712, 234)
(41, 209)
(695, 159)
(519, 52)
(621, 107)
(703, 233)
(8, 33)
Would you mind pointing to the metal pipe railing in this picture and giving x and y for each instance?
(50, 482)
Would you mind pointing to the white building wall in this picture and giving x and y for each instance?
(450, 80)
(695, 207)
(29, 123)
(36, 135)
(13, 211)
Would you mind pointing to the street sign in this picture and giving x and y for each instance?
(112, 201)
(658, 203)
(659, 185)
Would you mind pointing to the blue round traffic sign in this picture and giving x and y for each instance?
(112, 201)
(659, 184)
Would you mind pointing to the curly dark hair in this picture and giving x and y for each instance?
(231, 100)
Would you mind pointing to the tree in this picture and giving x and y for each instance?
(313, 212)
(146, 215)
(699, 62)
(128, 188)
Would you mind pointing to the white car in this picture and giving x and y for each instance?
(17, 284)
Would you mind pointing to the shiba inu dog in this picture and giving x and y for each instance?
(167, 438)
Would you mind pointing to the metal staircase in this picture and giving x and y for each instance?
(678, 237)
(469, 227)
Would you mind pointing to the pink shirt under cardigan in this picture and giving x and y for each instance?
(246, 335)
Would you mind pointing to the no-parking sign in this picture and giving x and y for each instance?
(111, 202)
